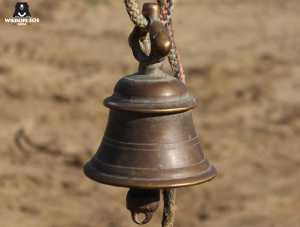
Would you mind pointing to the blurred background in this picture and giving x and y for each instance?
(242, 60)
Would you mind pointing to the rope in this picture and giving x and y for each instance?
(133, 10)
(169, 207)
(167, 9)
(134, 13)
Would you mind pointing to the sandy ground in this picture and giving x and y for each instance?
(242, 62)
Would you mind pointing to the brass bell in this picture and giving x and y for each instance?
(150, 141)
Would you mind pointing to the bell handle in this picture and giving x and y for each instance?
(159, 39)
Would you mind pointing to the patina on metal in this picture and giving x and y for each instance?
(150, 142)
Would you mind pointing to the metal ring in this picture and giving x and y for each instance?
(134, 42)
(160, 43)
(146, 220)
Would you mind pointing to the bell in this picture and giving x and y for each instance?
(150, 142)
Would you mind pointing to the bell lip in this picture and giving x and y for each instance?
(114, 103)
(107, 179)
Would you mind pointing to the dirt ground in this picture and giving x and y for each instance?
(242, 60)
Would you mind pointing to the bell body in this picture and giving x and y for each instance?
(150, 140)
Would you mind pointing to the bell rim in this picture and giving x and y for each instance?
(145, 183)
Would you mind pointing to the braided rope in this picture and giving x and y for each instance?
(174, 57)
(167, 11)
(169, 207)
(167, 8)
(134, 13)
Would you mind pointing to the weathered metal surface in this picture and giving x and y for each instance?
(150, 91)
(150, 150)
(150, 140)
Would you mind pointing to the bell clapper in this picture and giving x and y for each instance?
(142, 204)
